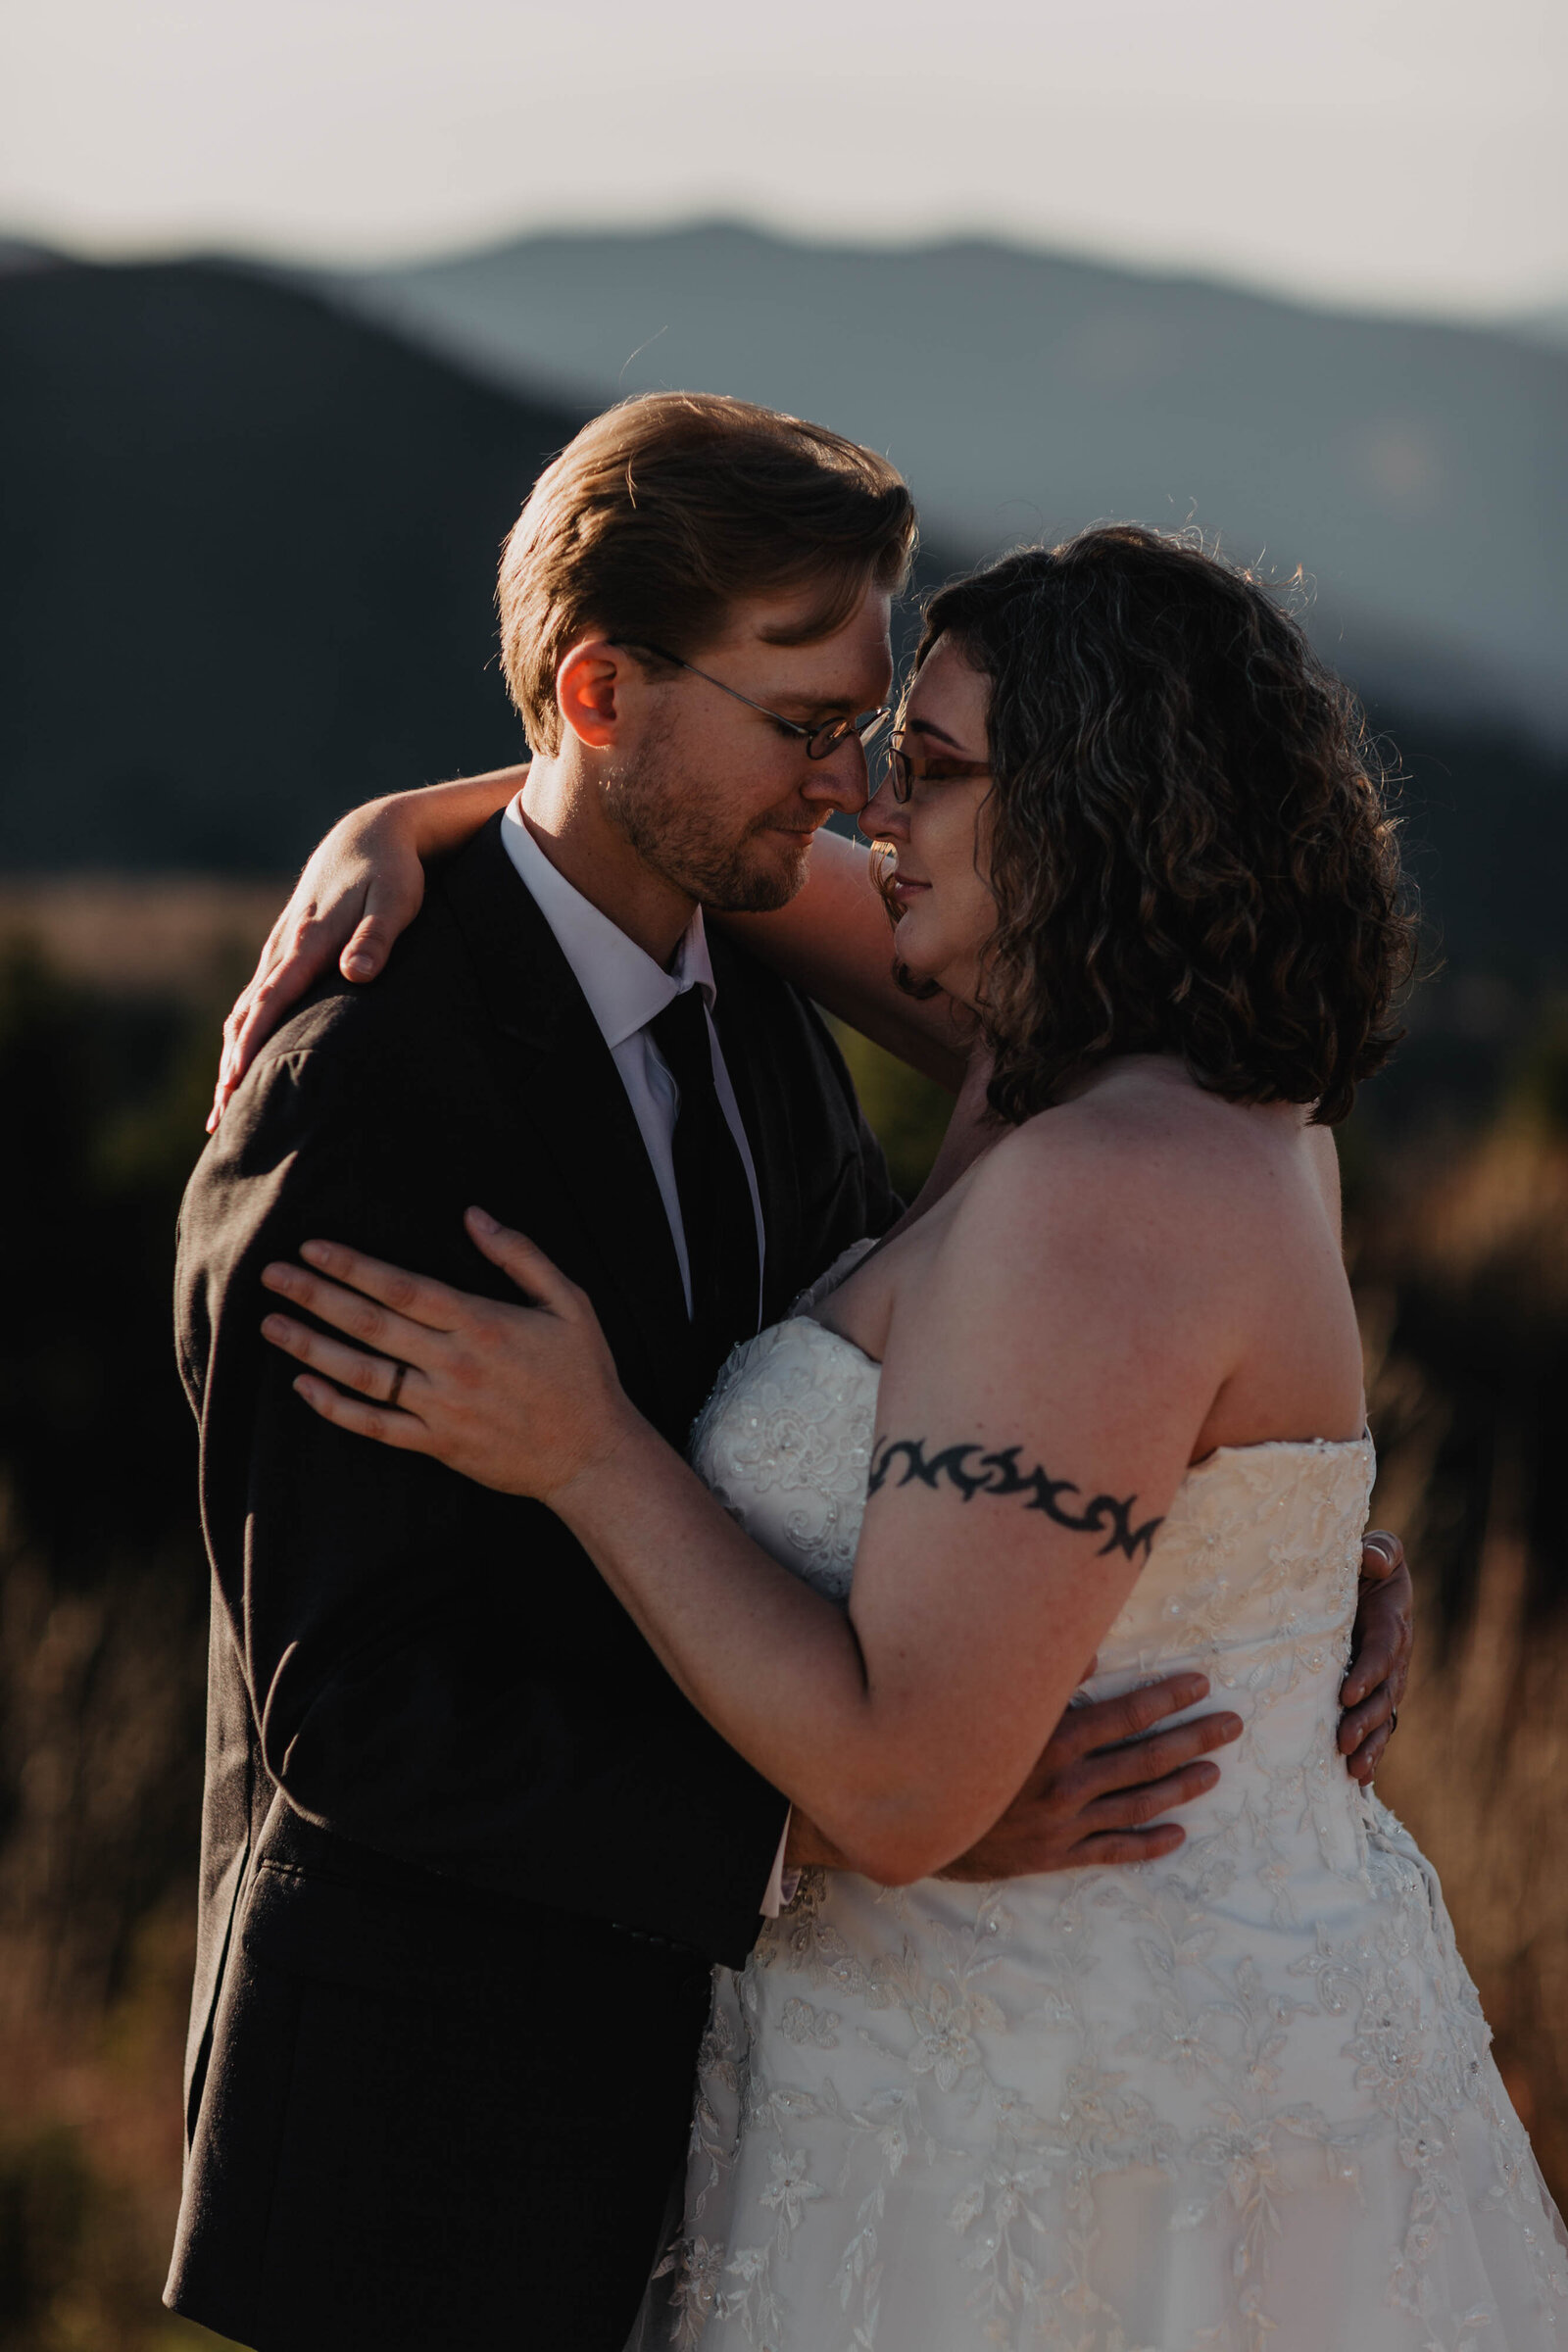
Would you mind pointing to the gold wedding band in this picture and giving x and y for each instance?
(396, 1390)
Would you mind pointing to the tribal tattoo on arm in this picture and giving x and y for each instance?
(999, 1474)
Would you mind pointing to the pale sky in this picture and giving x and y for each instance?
(1398, 153)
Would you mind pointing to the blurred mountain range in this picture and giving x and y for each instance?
(1417, 473)
(1550, 325)
(248, 549)
(249, 523)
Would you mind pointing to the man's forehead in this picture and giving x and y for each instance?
(841, 665)
(776, 619)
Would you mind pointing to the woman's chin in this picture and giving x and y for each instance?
(920, 966)
(914, 952)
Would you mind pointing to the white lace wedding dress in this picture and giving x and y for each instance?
(1239, 2100)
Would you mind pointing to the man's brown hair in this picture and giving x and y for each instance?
(670, 508)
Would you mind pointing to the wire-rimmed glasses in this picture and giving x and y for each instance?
(821, 741)
(901, 779)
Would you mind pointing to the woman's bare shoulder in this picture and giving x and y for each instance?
(1146, 1160)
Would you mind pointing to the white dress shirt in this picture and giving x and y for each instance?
(625, 989)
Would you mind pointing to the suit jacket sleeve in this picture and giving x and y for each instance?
(434, 1670)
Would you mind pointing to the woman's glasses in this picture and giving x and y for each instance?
(898, 770)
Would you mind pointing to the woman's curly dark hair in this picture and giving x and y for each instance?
(1189, 845)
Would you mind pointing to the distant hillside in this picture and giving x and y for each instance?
(247, 549)
(247, 559)
(1550, 325)
(1419, 473)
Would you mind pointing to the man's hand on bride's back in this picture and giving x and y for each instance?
(1380, 1654)
(1111, 1767)
(1112, 1770)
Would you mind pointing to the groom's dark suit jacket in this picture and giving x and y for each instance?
(466, 1850)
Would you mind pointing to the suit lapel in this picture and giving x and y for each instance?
(577, 1106)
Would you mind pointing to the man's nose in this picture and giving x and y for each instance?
(882, 817)
(842, 779)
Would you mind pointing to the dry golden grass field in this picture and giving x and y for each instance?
(111, 991)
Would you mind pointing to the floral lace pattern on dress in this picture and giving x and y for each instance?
(1236, 2100)
(798, 1452)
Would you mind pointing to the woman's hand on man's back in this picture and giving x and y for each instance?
(363, 885)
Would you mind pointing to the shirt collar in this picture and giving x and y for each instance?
(624, 985)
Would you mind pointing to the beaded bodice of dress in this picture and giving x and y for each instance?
(1238, 2099)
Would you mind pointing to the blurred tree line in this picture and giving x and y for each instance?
(103, 1610)
(1457, 1230)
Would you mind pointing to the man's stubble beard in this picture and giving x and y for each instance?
(651, 805)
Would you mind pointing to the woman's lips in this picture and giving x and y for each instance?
(905, 890)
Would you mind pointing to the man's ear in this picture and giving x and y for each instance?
(590, 691)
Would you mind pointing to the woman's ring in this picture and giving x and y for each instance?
(396, 1390)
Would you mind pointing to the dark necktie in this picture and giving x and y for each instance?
(716, 1199)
